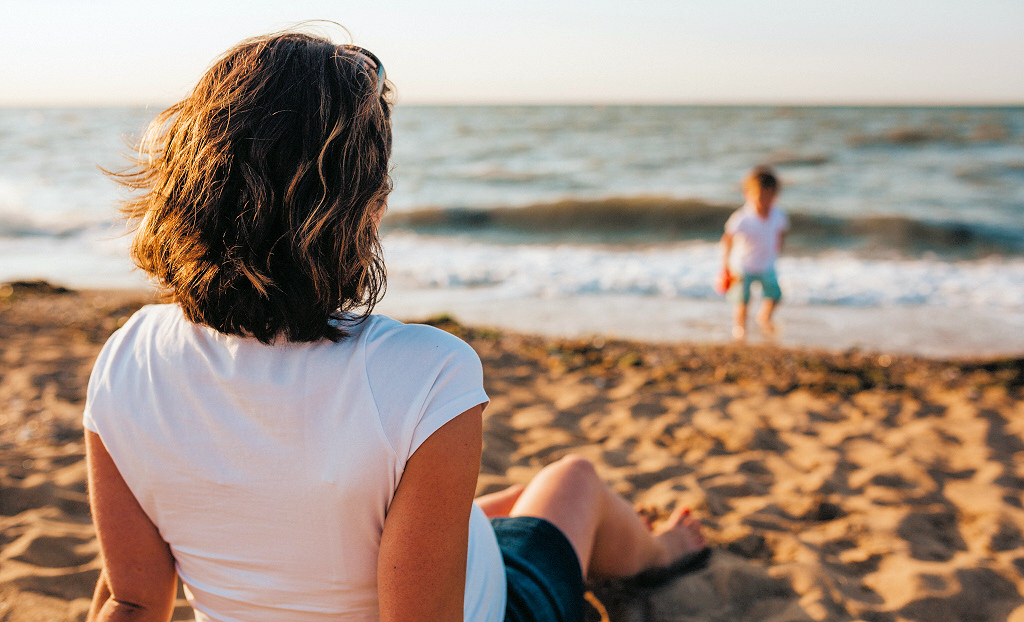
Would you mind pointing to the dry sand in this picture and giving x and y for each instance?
(832, 486)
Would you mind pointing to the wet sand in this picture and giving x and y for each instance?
(916, 330)
(833, 486)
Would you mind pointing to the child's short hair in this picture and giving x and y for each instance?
(262, 188)
(761, 177)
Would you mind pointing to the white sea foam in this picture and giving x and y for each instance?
(97, 257)
(688, 272)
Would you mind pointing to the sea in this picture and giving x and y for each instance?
(907, 222)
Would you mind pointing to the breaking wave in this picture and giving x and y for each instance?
(660, 220)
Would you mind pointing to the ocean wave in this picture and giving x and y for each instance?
(1006, 173)
(785, 159)
(914, 135)
(666, 218)
(652, 220)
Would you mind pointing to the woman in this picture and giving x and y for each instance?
(264, 437)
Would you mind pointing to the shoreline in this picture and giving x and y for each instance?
(967, 334)
(836, 486)
(904, 331)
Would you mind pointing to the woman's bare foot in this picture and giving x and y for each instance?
(647, 514)
(499, 504)
(679, 535)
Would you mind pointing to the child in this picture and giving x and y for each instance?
(264, 437)
(757, 230)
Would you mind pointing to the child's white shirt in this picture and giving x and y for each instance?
(756, 239)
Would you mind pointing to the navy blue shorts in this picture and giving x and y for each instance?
(545, 581)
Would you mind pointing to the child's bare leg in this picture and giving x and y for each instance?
(608, 535)
(499, 504)
(764, 315)
(739, 321)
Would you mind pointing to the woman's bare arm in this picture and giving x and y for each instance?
(421, 571)
(138, 581)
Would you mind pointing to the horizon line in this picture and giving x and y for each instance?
(578, 104)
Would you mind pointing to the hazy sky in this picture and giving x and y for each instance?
(74, 52)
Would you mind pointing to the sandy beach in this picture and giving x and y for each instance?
(832, 486)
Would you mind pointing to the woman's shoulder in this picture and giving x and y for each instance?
(157, 312)
(153, 317)
(385, 333)
(147, 319)
(119, 359)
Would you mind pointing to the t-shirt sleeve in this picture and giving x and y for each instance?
(421, 379)
(99, 390)
(457, 388)
(96, 382)
(783, 221)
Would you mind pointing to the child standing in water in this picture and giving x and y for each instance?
(757, 231)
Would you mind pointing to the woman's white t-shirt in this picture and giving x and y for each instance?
(269, 469)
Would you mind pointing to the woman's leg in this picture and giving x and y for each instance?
(499, 504)
(608, 535)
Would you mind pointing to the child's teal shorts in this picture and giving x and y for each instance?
(740, 290)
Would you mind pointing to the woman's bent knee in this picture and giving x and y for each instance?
(566, 487)
(575, 471)
(575, 463)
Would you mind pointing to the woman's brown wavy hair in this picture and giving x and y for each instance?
(261, 191)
